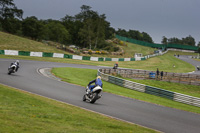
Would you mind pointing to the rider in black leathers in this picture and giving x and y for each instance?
(15, 63)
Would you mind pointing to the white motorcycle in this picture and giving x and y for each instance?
(12, 69)
(92, 96)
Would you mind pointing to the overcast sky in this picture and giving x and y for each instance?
(158, 18)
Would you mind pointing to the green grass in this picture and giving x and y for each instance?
(24, 112)
(12, 42)
(29, 113)
(164, 63)
(83, 76)
(131, 49)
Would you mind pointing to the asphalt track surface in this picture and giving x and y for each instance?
(153, 116)
(191, 61)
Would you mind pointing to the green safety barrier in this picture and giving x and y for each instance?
(179, 46)
(86, 58)
(108, 59)
(24, 53)
(121, 59)
(44, 54)
(143, 58)
(100, 59)
(159, 92)
(154, 45)
(132, 59)
(2, 52)
(67, 56)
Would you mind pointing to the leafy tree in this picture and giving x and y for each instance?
(94, 26)
(122, 32)
(164, 40)
(132, 34)
(198, 44)
(32, 27)
(9, 10)
(100, 24)
(174, 40)
(73, 26)
(57, 32)
(12, 25)
(9, 15)
(86, 13)
(146, 37)
(86, 33)
(138, 35)
(135, 35)
(198, 50)
(109, 31)
(189, 40)
(185, 41)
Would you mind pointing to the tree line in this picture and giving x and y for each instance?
(134, 34)
(87, 29)
(185, 41)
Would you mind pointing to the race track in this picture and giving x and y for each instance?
(191, 61)
(146, 114)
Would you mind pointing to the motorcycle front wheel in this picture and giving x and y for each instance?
(9, 72)
(84, 98)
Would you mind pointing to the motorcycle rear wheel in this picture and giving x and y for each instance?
(95, 97)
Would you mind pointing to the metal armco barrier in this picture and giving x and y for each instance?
(195, 101)
(184, 78)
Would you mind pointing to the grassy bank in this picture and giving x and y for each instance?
(13, 42)
(83, 76)
(24, 112)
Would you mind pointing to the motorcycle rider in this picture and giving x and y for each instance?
(16, 63)
(116, 65)
(198, 68)
(97, 82)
